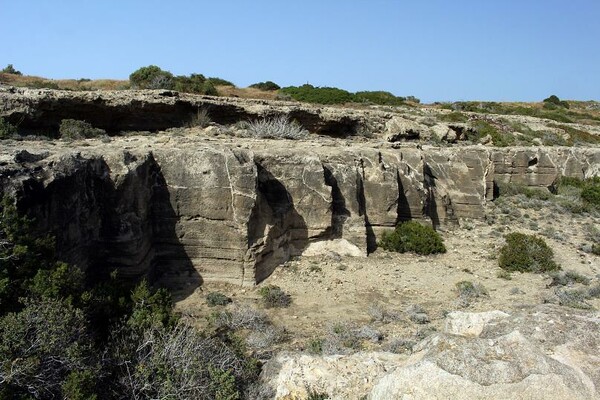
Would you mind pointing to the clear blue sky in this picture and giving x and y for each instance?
(436, 50)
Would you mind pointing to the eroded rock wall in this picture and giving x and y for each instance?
(191, 209)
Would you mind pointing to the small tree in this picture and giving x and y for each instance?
(9, 69)
(151, 77)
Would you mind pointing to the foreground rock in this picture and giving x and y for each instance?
(231, 210)
(542, 353)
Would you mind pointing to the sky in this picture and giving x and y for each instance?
(436, 50)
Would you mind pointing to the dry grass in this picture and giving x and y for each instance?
(67, 84)
(246, 93)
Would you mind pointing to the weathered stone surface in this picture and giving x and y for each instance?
(398, 128)
(471, 324)
(194, 209)
(38, 110)
(341, 377)
(540, 353)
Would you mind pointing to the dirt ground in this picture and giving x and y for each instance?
(330, 288)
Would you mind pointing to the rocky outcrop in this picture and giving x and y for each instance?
(38, 111)
(232, 210)
(541, 353)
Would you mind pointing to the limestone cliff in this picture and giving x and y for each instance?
(192, 208)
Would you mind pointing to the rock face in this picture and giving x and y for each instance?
(541, 353)
(196, 209)
(42, 110)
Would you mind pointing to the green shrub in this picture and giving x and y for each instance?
(41, 345)
(413, 237)
(179, 363)
(75, 129)
(22, 255)
(315, 346)
(514, 189)
(9, 69)
(553, 100)
(151, 77)
(195, 83)
(7, 130)
(321, 95)
(596, 249)
(151, 308)
(274, 296)
(526, 253)
(219, 82)
(316, 395)
(454, 117)
(80, 385)
(266, 86)
(591, 195)
(217, 299)
(379, 97)
(499, 139)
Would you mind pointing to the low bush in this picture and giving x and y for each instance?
(399, 345)
(574, 298)
(201, 119)
(266, 86)
(219, 82)
(553, 100)
(454, 117)
(75, 129)
(591, 195)
(275, 128)
(9, 69)
(243, 317)
(179, 363)
(379, 97)
(217, 299)
(315, 346)
(417, 314)
(594, 291)
(383, 315)
(274, 296)
(321, 95)
(568, 278)
(526, 253)
(468, 291)
(514, 189)
(345, 337)
(40, 346)
(7, 130)
(484, 128)
(195, 83)
(413, 237)
(266, 337)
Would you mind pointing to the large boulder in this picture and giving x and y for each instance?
(398, 129)
(539, 353)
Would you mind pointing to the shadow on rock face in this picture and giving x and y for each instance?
(276, 230)
(103, 224)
